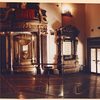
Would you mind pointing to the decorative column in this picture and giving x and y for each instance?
(76, 43)
(16, 48)
(32, 55)
(6, 36)
(11, 52)
(18, 53)
(39, 67)
(59, 53)
(30, 50)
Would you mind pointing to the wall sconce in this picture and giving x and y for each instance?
(67, 13)
(51, 32)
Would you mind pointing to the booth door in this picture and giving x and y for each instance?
(95, 60)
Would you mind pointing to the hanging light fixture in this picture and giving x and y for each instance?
(66, 10)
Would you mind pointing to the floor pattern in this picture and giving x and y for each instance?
(30, 86)
(77, 85)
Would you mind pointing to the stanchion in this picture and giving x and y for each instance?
(48, 67)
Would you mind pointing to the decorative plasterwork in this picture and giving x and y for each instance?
(37, 24)
(24, 26)
(6, 16)
(29, 26)
(68, 31)
(5, 27)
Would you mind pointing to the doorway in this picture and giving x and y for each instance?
(95, 60)
(93, 55)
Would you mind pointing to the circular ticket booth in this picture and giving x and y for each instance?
(23, 30)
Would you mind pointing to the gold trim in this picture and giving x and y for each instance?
(11, 9)
(24, 42)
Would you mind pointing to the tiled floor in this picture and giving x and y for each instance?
(79, 85)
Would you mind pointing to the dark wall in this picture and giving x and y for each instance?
(2, 52)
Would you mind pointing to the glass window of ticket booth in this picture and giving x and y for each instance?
(25, 50)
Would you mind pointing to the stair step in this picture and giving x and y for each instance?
(71, 70)
(21, 69)
(25, 66)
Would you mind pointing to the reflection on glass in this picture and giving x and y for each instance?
(21, 96)
(98, 60)
(61, 92)
(93, 60)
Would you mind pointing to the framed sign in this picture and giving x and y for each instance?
(67, 48)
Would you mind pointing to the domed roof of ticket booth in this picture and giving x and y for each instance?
(22, 16)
